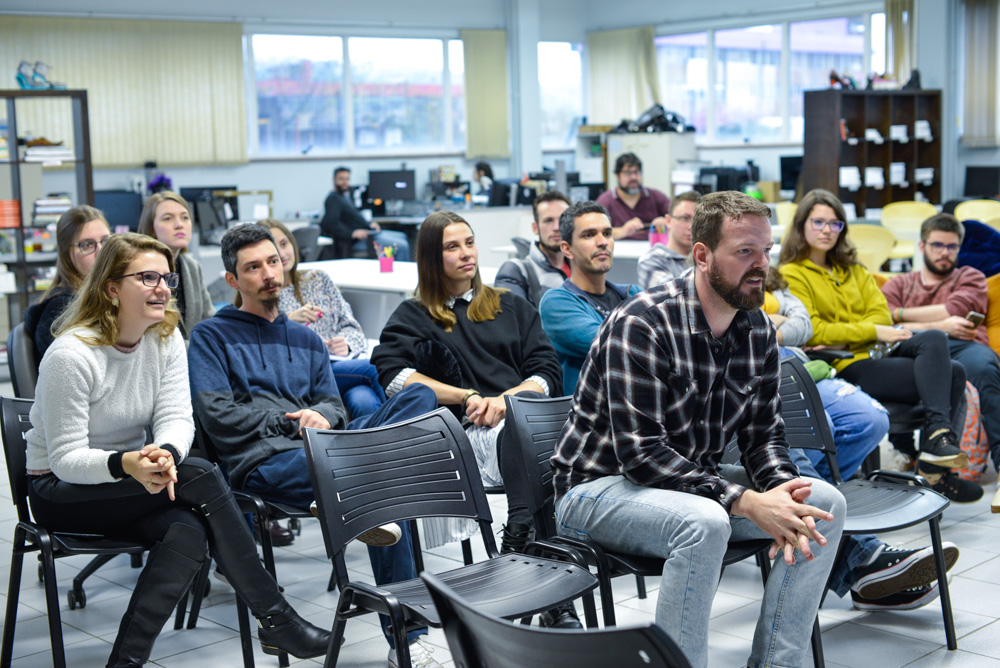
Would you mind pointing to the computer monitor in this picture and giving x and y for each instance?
(791, 169)
(399, 184)
(209, 212)
(121, 208)
(982, 181)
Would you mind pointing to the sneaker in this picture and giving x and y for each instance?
(420, 656)
(560, 617)
(949, 484)
(895, 570)
(908, 599)
(383, 536)
(942, 449)
(900, 461)
(995, 505)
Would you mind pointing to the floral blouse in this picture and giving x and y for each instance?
(338, 320)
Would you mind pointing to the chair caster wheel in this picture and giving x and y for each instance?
(76, 599)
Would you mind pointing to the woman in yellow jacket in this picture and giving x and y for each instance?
(849, 312)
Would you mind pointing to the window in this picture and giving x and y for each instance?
(748, 87)
(560, 82)
(404, 94)
(817, 48)
(682, 64)
(300, 93)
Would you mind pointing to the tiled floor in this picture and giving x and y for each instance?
(850, 638)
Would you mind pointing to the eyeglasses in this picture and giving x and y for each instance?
(835, 225)
(631, 172)
(88, 246)
(151, 279)
(937, 247)
(683, 219)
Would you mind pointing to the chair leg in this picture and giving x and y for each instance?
(52, 603)
(13, 595)
(136, 560)
(91, 568)
(640, 586)
(200, 585)
(182, 607)
(339, 623)
(817, 645)
(418, 555)
(942, 573)
(467, 551)
(246, 640)
(590, 611)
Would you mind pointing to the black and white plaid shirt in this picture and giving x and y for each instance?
(659, 398)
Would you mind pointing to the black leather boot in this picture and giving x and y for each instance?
(515, 537)
(170, 568)
(282, 630)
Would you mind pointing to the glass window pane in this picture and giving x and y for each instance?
(560, 82)
(397, 84)
(817, 48)
(456, 68)
(300, 99)
(748, 86)
(682, 62)
(878, 43)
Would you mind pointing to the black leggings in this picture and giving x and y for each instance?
(920, 370)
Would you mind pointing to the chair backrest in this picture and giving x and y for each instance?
(308, 240)
(994, 223)
(533, 427)
(978, 209)
(805, 420)
(422, 467)
(874, 244)
(784, 212)
(14, 423)
(477, 640)
(22, 360)
(905, 218)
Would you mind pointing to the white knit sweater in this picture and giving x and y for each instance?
(91, 401)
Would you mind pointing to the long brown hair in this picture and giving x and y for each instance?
(69, 225)
(795, 248)
(432, 291)
(93, 308)
(148, 215)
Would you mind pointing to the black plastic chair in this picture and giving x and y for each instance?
(480, 641)
(22, 361)
(424, 467)
(307, 239)
(31, 537)
(883, 500)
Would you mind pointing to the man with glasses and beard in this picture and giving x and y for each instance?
(941, 295)
(675, 374)
(633, 208)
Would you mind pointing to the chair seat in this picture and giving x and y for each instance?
(510, 586)
(652, 566)
(870, 503)
(70, 543)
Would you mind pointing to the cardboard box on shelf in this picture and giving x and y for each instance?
(770, 190)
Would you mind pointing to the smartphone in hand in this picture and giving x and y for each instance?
(975, 318)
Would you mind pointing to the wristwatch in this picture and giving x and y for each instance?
(467, 395)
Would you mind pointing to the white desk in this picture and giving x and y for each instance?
(373, 296)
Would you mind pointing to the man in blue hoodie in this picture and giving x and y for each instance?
(572, 313)
(259, 379)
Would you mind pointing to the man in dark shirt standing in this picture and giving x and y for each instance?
(342, 221)
(677, 372)
(633, 208)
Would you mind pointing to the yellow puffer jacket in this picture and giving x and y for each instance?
(844, 305)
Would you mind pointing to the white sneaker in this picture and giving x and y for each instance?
(383, 536)
(420, 656)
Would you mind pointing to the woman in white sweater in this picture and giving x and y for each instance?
(117, 365)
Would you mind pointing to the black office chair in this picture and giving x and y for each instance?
(884, 500)
(22, 361)
(51, 545)
(307, 239)
(424, 467)
(477, 640)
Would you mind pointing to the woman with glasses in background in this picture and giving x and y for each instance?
(849, 312)
(167, 218)
(118, 364)
(80, 233)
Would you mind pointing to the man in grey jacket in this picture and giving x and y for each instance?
(545, 267)
(661, 263)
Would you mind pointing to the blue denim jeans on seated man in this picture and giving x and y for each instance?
(691, 533)
(284, 478)
(357, 381)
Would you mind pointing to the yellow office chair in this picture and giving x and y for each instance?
(978, 209)
(992, 222)
(874, 244)
(904, 220)
(783, 214)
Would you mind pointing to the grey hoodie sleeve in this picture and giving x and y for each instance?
(798, 329)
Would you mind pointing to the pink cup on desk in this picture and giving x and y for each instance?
(385, 264)
(658, 238)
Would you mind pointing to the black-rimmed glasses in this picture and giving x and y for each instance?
(937, 247)
(89, 246)
(818, 224)
(151, 279)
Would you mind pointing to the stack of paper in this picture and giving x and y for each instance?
(898, 133)
(924, 175)
(922, 130)
(850, 178)
(897, 174)
(873, 135)
(875, 177)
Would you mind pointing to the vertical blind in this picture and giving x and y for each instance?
(979, 122)
(167, 91)
(487, 108)
(622, 65)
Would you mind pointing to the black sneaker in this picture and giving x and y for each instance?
(950, 484)
(895, 570)
(909, 599)
(562, 617)
(942, 450)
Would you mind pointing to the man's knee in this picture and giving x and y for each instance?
(826, 497)
(417, 398)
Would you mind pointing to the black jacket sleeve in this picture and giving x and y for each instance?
(539, 356)
(38, 319)
(396, 350)
(340, 218)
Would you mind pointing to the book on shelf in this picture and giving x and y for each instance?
(10, 213)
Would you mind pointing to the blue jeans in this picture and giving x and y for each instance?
(857, 549)
(284, 478)
(357, 381)
(691, 533)
(982, 369)
(387, 238)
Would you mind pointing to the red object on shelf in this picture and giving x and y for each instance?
(10, 213)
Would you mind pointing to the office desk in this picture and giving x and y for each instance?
(373, 296)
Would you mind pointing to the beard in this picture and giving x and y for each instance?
(934, 269)
(731, 292)
(633, 190)
(557, 248)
